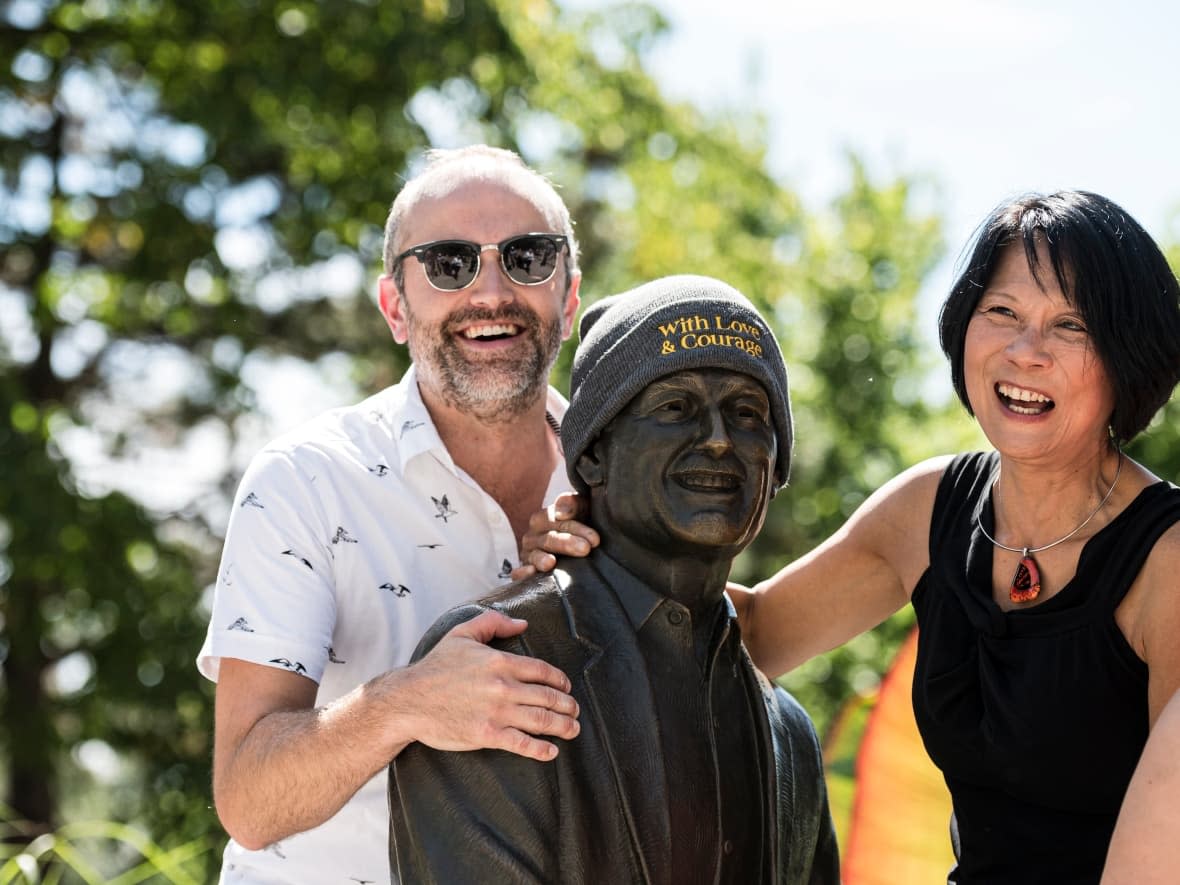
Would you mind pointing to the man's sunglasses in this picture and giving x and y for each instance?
(451, 265)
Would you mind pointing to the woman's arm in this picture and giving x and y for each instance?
(849, 583)
(1145, 848)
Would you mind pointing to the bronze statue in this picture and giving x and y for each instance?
(690, 766)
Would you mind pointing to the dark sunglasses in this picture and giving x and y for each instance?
(451, 265)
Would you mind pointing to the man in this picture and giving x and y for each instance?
(690, 767)
(351, 535)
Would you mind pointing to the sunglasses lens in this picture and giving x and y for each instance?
(530, 260)
(451, 266)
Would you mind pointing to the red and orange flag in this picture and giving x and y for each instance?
(893, 815)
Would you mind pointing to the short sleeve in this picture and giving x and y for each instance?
(275, 599)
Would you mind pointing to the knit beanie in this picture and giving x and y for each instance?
(629, 340)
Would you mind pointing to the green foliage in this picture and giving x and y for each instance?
(1158, 447)
(97, 853)
(191, 194)
(857, 374)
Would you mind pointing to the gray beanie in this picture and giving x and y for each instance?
(683, 322)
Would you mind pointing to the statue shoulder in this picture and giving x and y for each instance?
(540, 600)
(446, 622)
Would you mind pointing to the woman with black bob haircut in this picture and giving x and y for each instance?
(1043, 572)
(1110, 270)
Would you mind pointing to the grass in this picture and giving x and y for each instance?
(95, 853)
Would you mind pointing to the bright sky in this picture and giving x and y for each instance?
(990, 97)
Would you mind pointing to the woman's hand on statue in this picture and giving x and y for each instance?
(555, 531)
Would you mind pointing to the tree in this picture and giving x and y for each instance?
(192, 199)
(858, 374)
(1158, 447)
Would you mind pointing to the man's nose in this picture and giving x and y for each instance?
(491, 287)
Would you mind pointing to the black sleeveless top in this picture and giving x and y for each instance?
(1036, 717)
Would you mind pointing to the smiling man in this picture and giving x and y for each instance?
(353, 533)
(690, 767)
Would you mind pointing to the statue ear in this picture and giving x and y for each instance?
(590, 465)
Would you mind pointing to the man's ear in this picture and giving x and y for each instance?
(389, 298)
(591, 466)
(570, 309)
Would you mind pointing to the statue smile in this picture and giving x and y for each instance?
(709, 480)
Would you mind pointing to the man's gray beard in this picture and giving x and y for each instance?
(492, 389)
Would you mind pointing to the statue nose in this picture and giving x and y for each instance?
(714, 433)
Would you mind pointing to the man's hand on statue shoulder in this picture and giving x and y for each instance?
(555, 531)
(467, 696)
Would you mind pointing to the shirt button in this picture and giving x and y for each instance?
(675, 617)
(727, 847)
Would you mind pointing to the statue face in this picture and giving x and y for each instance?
(687, 465)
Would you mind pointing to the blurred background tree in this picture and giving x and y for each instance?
(191, 206)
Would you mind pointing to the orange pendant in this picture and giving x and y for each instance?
(1026, 583)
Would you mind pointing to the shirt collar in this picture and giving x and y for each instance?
(412, 427)
(639, 601)
(415, 433)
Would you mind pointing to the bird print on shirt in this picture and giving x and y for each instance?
(505, 570)
(443, 506)
(293, 666)
(241, 624)
(252, 500)
(409, 425)
(290, 552)
(343, 537)
(379, 470)
(332, 656)
(396, 589)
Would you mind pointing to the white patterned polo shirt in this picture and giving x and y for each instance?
(348, 538)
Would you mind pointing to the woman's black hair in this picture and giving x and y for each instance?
(1112, 273)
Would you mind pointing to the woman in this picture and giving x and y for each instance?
(1043, 574)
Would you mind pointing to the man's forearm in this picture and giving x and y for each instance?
(281, 767)
(294, 769)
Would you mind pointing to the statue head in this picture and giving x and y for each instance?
(679, 425)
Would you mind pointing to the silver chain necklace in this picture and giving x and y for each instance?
(1026, 582)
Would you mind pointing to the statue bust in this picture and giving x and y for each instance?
(690, 766)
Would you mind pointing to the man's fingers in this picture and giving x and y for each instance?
(548, 700)
(515, 741)
(533, 671)
(503, 666)
(541, 720)
(488, 626)
(484, 697)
